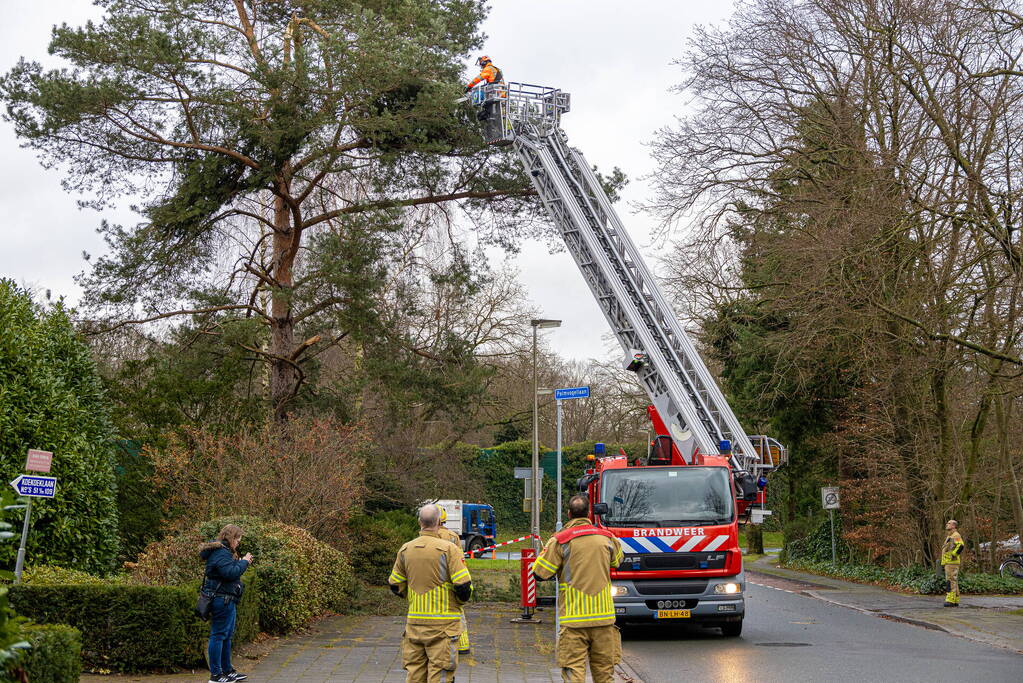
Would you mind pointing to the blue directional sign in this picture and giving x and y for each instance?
(35, 487)
(573, 392)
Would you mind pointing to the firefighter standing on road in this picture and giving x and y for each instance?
(449, 535)
(431, 573)
(581, 555)
(951, 559)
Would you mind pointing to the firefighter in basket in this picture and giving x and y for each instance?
(489, 74)
(448, 534)
(582, 556)
(431, 573)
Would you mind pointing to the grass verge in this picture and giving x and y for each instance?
(772, 539)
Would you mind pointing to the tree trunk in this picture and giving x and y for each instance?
(755, 539)
(919, 496)
(284, 372)
(1015, 501)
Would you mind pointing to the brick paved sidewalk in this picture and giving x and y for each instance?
(365, 649)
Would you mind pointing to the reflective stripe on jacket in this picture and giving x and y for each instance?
(952, 550)
(426, 571)
(583, 564)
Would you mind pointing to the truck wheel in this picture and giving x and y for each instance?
(732, 629)
(474, 545)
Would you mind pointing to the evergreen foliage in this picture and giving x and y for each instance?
(139, 520)
(129, 628)
(275, 130)
(300, 577)
(51, 399)
(55, 655)
(374, 540)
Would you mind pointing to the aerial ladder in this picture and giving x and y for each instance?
(682, 391)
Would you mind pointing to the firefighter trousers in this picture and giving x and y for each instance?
(601, 645)
(431, 660)
(463, 639)
(952, 579)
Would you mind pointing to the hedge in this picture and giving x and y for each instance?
(133, 628)
(374, 539)
(495, 467)
(915, 579)
(52, 399)
(55, 657)
(301, 577)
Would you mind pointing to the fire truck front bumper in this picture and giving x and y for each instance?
(715, 600)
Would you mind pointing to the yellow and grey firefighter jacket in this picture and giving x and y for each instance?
(582, 556)
(449, 535)
(430, 571)
(952, 550)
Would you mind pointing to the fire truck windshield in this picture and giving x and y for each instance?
(667, 496)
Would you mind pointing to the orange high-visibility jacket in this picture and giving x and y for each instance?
(490, 74)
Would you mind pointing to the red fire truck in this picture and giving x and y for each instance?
(678, 525)
(676, 512)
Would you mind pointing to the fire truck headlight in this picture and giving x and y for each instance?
(618, 591)
(728, 588)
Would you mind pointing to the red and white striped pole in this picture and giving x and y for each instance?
(528, 585)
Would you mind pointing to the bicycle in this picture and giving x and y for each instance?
(1012, 567)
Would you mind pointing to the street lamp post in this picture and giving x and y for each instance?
(534, 516)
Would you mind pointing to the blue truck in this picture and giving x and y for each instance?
(474, 523)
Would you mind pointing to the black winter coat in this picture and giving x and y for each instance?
(223, 572)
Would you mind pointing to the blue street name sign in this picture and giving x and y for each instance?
(573, 392)
(35, 487)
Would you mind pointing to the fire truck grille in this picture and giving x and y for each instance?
(671, 587)
(683, 561)
(688, 603)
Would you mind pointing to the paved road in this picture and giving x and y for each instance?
(792, 637)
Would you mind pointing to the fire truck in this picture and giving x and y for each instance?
(676, 512)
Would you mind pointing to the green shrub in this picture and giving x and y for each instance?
(55, 657)
(815, 545)
(50, 575)
(133, 628)
(52, 399)
(301, 577)
(139, 521)
(914, 579)
(374, 540)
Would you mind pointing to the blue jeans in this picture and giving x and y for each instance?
(222, 619)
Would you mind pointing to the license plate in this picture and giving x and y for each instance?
(672, 614)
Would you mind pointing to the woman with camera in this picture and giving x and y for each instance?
(223, 582)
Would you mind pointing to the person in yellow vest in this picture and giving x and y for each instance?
(430, 572)
(448, 534)
(581, 555)
(951, 560)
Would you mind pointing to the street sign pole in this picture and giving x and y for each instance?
(561, 395)
(831, 502)
(834, 556)
(30, 486)
(19, 564)
(557, 526)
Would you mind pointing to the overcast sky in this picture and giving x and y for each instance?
(613, 56)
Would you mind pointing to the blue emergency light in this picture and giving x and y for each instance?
(599, 449)
(725, 446)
